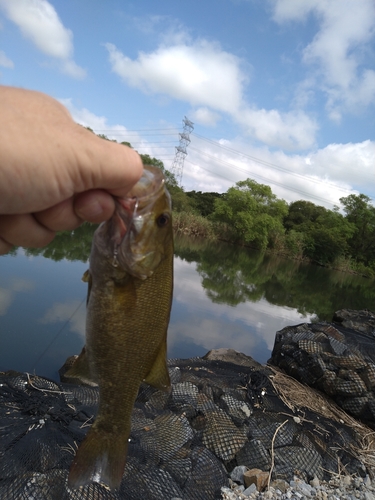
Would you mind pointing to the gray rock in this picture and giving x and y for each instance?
(251, 489)
(237, 474)
(346, 481)
(232, 356)
(280, 484)
(358, 481)
(228, 494)
(315, 483)
(367, 481)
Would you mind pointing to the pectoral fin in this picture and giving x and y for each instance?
(158, 376)
(86, 278)
(80, 371)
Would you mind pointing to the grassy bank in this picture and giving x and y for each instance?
(190, 224)
(290, 246)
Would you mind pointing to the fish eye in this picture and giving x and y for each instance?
(162, 220)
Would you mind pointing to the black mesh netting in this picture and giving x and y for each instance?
(182, 445)
(336, 359)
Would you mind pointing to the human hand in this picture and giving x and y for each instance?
(54, 173)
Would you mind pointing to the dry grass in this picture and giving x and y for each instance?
(191, 224)
(297, 396)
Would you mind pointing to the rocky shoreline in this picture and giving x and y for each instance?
(225, 416)
(338, 488)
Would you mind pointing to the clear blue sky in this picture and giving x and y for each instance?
(280, 91)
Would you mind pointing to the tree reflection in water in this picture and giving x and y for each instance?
(232, 274)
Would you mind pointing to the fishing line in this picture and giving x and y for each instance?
(58, 333)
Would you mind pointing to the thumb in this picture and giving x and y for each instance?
(108, 165)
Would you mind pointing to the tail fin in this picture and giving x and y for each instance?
(100, 458)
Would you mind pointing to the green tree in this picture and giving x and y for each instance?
(302, 215)
(324, 233)
(295, 242)
(103, 136)
(361, 213)
(330, 236)
(180, 201)
(170, 179)
(252, 211)
(204, 203)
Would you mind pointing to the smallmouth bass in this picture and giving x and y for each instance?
(130, 283)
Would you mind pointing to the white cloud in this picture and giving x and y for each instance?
(21, 285)
(337, 49)
(205, 116)
(286, 10)
(5, 61)
(322, 176)
(70, 68)
(148, 25)
(200, 73)
(100, 125)
(212, 80)
(284, 130)
(6, 299)
(72, 311)
(39, 23)
(7, 295)
(83, 116)
(352, 163)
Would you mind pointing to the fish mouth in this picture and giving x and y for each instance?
(133, 226)
(148, 186)
(140, 199)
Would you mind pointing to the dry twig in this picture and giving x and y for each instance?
(43, 390)
(273, 452)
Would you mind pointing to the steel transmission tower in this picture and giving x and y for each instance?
(178, 162)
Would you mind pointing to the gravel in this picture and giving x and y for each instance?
(338, 488)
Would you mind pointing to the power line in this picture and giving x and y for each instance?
(211, 172)
(156, 142)
(269, 164)
(173, 130)
(309, 195)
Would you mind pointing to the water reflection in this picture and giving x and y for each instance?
(233, 275)
(29, 340)
(7, 295)
(71, 313)
(224, 296)
(249, 327)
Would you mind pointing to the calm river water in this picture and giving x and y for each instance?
(224, 296)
